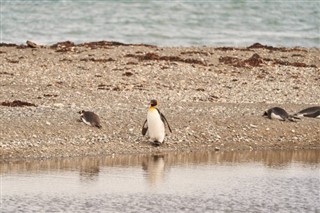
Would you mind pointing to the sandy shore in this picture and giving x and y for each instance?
(212, 97)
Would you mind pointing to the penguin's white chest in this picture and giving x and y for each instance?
(276, 116)
(155, 126)
(85, 121)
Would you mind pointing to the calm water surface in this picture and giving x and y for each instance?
(282, 181)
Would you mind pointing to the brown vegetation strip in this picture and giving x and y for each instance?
(20, 46)
(102, 44)
(255, 61)
(231, 49)
(260, 46)
(67, 46)
(282, 49)
(12, 61)
(63, 44)
(8, 45)
(294, 64)
(127, 74)
(156, 57)
(93, 45)
(6, 73)
(195, 52)
(50, 95)
(17, 103)
(97, 60)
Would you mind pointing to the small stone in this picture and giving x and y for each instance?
(31, 44)
(58, 105)
(73, 106)
(253, 126)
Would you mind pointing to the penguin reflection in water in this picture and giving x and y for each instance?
(90, 118)
(155, 124)
(278, 114)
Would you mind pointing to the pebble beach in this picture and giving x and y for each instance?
(213, 98)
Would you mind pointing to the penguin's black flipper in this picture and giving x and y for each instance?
(313, 115)
(163, 118)
(144, 128)
(312, 112)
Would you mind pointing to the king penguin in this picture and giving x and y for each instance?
(311, 112)
(278, 114)
(155, 124)
(90, 118)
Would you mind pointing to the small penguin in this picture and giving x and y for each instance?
(278, 113)
(90, 118)
(155, 124)
(311, 112)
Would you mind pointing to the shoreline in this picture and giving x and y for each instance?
(213, 98)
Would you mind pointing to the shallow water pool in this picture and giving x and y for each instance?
(274, 181)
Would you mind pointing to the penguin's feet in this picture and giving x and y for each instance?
(156, 143)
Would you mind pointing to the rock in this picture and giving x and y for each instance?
(31, 44)
(58, 105)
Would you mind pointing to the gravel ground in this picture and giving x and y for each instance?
(213, 98)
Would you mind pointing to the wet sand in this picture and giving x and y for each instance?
(213, 98)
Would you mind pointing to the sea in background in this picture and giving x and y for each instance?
(239, 23)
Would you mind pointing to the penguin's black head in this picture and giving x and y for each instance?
(153, 102)
(81, 112)
(265, 113)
